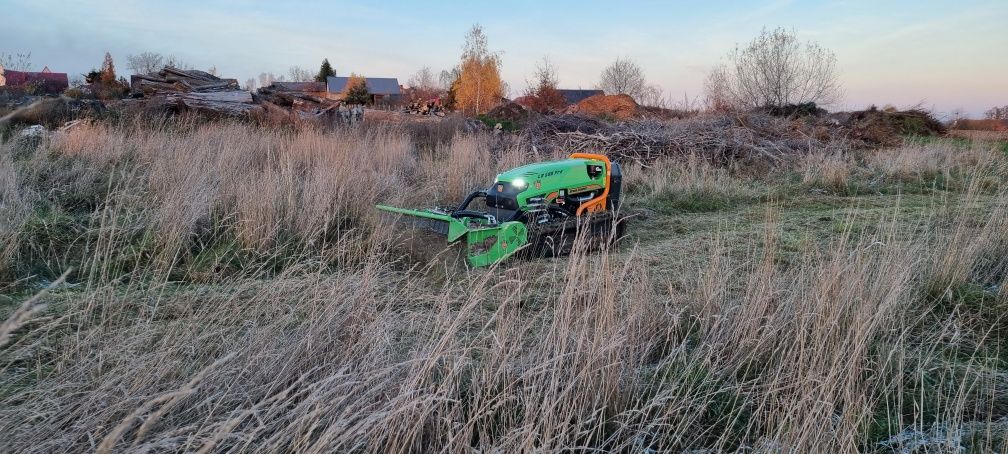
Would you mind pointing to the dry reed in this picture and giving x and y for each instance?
(838, 351)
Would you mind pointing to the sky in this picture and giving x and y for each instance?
(941, 55)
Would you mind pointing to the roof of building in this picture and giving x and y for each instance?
(575, 96)
(309, 87)
(375, 85)
(16, 78)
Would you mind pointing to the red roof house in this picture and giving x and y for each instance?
(44, 81)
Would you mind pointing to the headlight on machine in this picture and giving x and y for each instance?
(519, 183)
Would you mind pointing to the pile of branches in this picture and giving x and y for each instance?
(719, 139)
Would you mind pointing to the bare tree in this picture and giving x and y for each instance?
(653, 96)
(299, 74)
(447, 77)
(145, 62)
(423, 79)
(423, 85)
(267, 79)
(250, 84)
(775, 69)
(997, 113)
(213, 71)
(176, 62)
(623, 76)
(16, 62)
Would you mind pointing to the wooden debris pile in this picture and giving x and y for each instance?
(300, 103)
(228, 103)
(177, 90)
(174, 90)
(174, 80)
(428, 107)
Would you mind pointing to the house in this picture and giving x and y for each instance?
(576, 96)
(382, 89)
(44, 81)
(309, 88)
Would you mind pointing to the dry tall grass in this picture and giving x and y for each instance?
(831, 170)
(339, 349)
(916, 162)
(692, 185)
(233, 187)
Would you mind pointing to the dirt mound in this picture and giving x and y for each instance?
(617, 107)
(981, 125)
(509, 111)
(880, 127)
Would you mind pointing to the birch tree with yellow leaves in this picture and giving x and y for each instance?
(479, 86)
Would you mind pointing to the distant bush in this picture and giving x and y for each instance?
(74, 92)
(356, 91)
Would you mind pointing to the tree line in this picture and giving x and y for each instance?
(775, 69)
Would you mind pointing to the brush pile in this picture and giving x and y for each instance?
(718, 139)
(758, 136)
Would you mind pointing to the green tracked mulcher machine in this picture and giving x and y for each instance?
(537, 208)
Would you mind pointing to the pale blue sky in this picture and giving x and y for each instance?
(943, 54)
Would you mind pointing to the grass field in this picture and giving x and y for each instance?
(232, 289)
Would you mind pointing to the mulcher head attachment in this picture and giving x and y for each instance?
(485, 243)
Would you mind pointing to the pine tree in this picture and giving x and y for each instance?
(325, 71)
(93, 76)
(108, 74)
